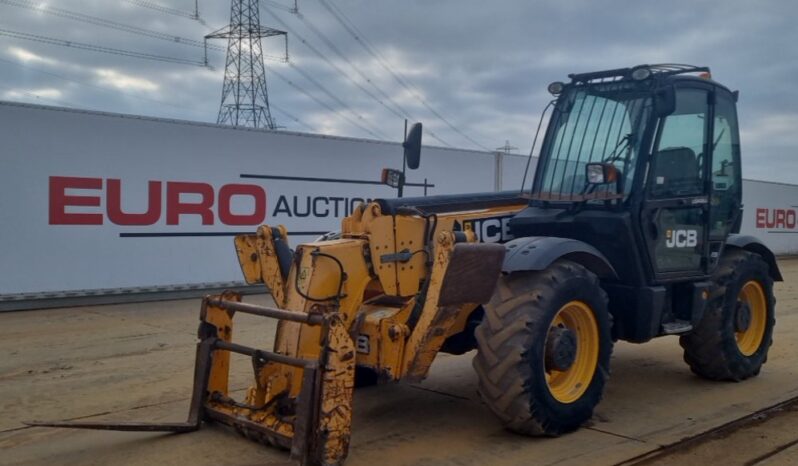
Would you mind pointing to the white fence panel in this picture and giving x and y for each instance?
(95, 200)
(770, 214)
(102, 201)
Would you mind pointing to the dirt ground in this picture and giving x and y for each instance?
(135, 362)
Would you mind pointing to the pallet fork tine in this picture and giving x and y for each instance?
(195, 414)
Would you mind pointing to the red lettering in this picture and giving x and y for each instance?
(761, 217)
(771, 219)
(257, 193)
(59, 201)
(197, 199)
(776, 218)
(114, 204)
(175, 208)
(779, 218)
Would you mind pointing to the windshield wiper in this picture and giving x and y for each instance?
(717, 140)
(624, 143)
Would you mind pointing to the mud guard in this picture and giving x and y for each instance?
(538, 252)
(753, 244)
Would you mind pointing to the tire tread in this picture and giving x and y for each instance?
(504, 337)
(709, 350)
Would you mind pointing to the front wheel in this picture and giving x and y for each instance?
(544, 349)
(732, 340)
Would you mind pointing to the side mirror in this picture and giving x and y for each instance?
(601, 173)
(412, 147)
(665, 100)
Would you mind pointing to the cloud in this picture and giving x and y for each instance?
(26, 56)
(776, 129)
(44, 93)
(124, 81)
(484, 66)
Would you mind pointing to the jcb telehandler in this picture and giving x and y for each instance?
(628, 232)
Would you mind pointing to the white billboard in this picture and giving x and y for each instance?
(103, 201)
(99, 201)
(770, 214)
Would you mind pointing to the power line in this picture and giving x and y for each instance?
(280, 6)
(331, 63)
(98, 48)
(83, 83)
(118, 92)
(322, 103)
(190, 42)
(334, 97)
(60, 12)
(360, 38)
(401, 113)
(331, 45)
(404, 113)
(375, 132)
(170, 11)
(293, 117)
(93, 20)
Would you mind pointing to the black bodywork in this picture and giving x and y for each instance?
(617, 231)
(643, 297)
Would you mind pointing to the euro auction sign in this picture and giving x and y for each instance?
(211, 205)
(775, 219)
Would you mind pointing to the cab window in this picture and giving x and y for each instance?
(679, 156)
(725, 167)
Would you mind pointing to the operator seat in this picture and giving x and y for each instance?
(676, 172)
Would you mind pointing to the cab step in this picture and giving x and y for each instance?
(676, 327)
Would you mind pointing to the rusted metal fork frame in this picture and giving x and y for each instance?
(307, 407)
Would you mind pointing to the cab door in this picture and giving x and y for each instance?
(725, 209)
(675, 211)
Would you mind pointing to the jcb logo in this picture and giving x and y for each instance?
(490, 230)
(681, 238)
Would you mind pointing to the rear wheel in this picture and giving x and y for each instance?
(732, 340)
(544, 349)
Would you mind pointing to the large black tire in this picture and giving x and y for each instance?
(712, 350)
(512, 340)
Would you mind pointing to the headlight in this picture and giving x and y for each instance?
(640, 74)
(595, 173)
(556, 88)
(391, 177)
(601, 173)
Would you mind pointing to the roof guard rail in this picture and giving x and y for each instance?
(660, 69)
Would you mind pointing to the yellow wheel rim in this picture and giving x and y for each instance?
(568, 385)
(750, 339)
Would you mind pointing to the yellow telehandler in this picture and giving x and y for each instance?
(628, 232)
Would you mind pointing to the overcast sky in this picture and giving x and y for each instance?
(483, 66)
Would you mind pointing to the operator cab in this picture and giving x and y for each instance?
(642, 164)
(639, 158)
